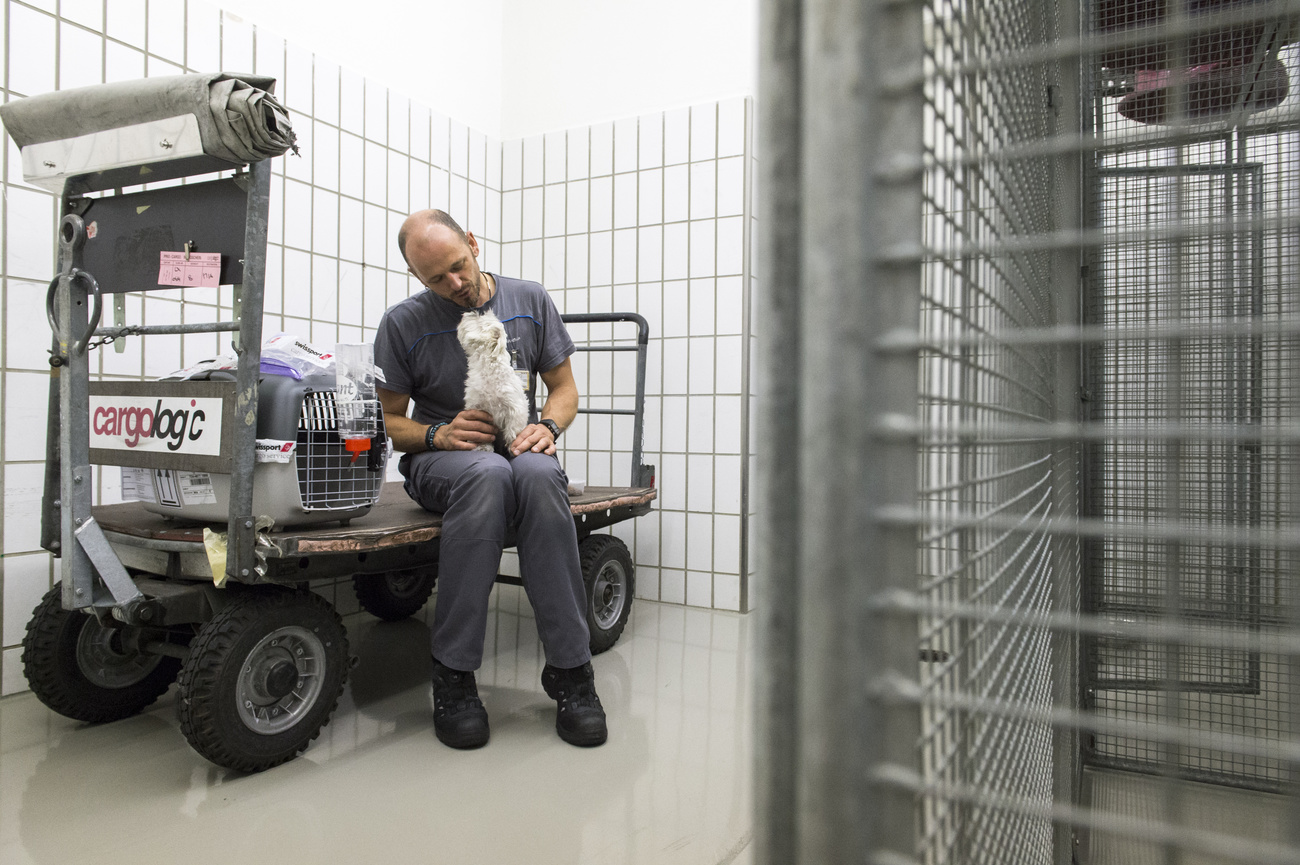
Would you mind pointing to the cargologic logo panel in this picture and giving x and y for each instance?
(179, 425)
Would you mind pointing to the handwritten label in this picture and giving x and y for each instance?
(200, 269)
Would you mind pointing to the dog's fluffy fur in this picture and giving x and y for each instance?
(492, 385)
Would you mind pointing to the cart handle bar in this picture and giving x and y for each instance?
(642, 326)
(641, 475)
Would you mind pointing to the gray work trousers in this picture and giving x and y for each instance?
(480, 496)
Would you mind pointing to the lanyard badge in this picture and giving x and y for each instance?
(525, 377)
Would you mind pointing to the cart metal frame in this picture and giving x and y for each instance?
(74, 305)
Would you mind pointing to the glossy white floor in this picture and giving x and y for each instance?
(672, 784)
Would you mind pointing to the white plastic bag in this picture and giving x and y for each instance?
(292, 353)
(283, 354)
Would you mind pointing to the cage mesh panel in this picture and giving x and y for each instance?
(1227, 199)
(1106, 435)
(980, 205)
(328, 480)
(1189, 220)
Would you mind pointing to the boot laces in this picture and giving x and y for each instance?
(577, 694)
(458, 692)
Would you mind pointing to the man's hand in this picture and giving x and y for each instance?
(535, 438)
(468, 430)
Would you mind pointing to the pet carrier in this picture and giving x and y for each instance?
(303, 471)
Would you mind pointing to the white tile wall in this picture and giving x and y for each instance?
(27, 579)
(11, 671)
(644, 200)
(23, 485)
(641, 214)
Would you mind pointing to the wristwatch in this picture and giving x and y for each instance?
(552, 426)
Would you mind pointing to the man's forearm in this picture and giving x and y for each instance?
(561, 406)
(407, 434)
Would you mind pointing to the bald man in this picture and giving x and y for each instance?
(482, 495)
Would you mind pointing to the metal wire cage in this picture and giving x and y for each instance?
(1059, 289)
(987, 477)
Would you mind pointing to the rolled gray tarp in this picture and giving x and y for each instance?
(239, 120)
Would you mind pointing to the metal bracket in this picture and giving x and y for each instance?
(236, 310)
(101, 555)
(119, 320)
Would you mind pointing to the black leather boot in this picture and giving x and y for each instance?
(579, 717)
(459, 719)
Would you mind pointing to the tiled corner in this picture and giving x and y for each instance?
(643, 214)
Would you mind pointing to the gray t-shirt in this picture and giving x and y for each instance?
(416, 345)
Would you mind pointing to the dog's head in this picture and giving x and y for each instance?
(481, 333)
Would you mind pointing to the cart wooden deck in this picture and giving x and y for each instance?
(397, 534)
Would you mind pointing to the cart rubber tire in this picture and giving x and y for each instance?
(609, 578)
(262, 679)
(395, 595)
(80, 669)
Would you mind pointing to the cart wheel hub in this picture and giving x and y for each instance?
(607, 594)
(281, 679)
(104, 659)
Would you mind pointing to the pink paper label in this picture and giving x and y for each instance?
(199, 269)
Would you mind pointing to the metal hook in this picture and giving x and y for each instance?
(96, 310)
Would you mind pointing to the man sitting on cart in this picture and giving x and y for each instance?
(481, 495)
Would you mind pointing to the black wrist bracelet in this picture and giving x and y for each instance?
(552, 426)
(433, 431)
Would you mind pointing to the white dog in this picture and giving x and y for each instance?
(492, 385)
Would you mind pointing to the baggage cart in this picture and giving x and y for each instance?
(223, 604)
